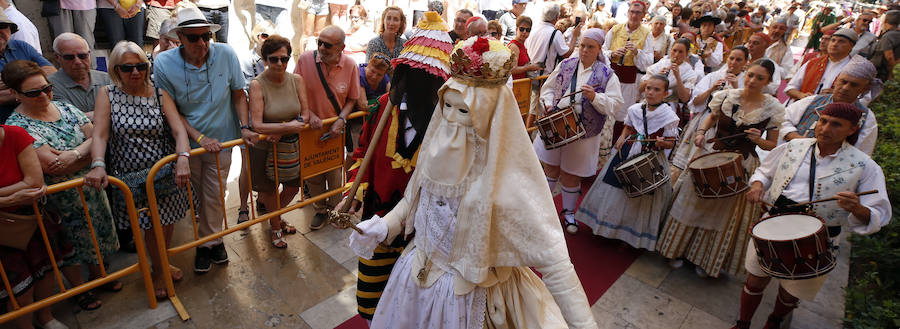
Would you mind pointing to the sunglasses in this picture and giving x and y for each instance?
(264, 35)
(37, 92)
(275, 59)
(355, 17)
(325, 44)
(5, 26)
(70, 57)
(525, 29)
(196, 37)
(128, 68)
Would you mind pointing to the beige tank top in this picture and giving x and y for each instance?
(281, 101)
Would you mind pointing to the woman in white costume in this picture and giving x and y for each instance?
(481, 215)
(681, 75)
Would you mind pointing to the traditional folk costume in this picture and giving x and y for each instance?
(712, 233)
(689, 77)
(630, 67)
(582, 157)
(780, 53)
(801, 116)
(714, 60)
(819, 73)
(606, 208)
(481, 215)
(422, 67)
(796, 172)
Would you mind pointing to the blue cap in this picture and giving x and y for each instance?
(515, 2)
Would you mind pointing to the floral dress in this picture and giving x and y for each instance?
(63, 135)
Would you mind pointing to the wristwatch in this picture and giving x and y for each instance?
(246, 127)
(185, 154)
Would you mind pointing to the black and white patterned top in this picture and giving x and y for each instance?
(139, 133)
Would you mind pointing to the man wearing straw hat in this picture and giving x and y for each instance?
(205, 80)
(808, 169)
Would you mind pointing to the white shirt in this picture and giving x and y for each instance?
(538, 41)
(604, 103)
(831, 72)
(662, 43)
(689, 76)
(715, 58)
(793, 113)
(707, 82)
(787, 61)
(27, 31)
(798, 189)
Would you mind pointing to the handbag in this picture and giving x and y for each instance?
(16, 230)
(286, 156)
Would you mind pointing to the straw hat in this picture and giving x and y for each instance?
(189, 17)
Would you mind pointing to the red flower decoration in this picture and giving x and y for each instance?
(481, 45)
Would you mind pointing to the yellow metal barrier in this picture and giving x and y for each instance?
(164, 252)
(143, 266)
(522, 91)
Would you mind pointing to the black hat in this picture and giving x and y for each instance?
(706, 18)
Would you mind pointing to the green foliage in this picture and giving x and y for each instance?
(872, 298)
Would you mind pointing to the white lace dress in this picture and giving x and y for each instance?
(515, 298)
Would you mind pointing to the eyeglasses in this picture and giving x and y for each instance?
(355, 17)
(70, 57)
(196, 37)
(525, 29)
(495, 34)
(37, 92)
(275, 59)
(321, 43)
(128, 68)
(5, 26)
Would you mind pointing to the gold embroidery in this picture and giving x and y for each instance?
(391, 148)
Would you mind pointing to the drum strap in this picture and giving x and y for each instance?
(812, 172)
(573, 84)
(646, 133)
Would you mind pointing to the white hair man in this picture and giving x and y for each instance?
(76, 83)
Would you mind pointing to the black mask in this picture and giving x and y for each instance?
(420, 89)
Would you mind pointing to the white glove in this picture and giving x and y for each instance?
(564, 285)
(363, 245)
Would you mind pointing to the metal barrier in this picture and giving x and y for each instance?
(143, 266)
(522, 91)
(317, 165)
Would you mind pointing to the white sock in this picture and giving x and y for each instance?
(552, 183)
(570, 197)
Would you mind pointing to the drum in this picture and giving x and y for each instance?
(793, 246)
(718, 175)
(560, 128)
(641, 174)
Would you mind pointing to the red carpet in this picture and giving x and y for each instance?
(598, 261)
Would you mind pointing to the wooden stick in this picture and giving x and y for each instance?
(669, 139)
(367, 158)
(833, 198)
(713, 140)
(579, 90)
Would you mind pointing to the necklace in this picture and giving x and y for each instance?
(423, 273)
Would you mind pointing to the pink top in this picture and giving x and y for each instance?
(168, 4)
(78, 4)
(343, 78)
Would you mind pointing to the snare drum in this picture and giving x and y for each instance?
(641, 174)
(718, 175)
(793, 246)
(560, 128)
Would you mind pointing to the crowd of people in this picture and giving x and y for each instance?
(675, 81)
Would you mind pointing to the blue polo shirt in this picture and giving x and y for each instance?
(18, 49)
(203, 94)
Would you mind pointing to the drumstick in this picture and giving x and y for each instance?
(671, 139)
(832, 198)
(578, 91)
(713, 140)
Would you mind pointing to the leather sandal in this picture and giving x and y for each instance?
(287, 228)
(278, 240)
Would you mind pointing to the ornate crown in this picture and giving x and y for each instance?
(481, 62)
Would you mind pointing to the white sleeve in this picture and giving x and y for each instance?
(564, 285)
(607, 102)
(715, 59)
(701, 87)
(879, 205)
(548, 88)
(606, 51)
(797, 80)
(868, 134)
(644, 57)
(787, 61)
(559, 43)
(766, 170)
(655, 68)
(792, 115)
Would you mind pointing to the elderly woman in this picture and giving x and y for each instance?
(517, 46)
(390, 39)
(494, 29)
(374, 78)
(135, 126)
(278, 108)
(62, 139)
(600, 94)
(21, 184)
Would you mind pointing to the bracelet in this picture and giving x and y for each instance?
(246, 127)
(98, 163)
(200, 138)
(185, 154)
(342, 119)
(77, 154)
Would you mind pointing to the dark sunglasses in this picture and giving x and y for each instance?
(525, 29)
(128, 68)
(275, 59)
(37, 92)
(5, 26)
(323, 43)
(196, 37)
(70, 57)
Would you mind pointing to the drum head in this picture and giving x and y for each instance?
(635, 159)
(787, 227)
(713, 160)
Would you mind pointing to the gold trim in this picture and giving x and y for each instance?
(391, 148)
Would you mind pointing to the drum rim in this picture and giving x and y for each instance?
(823, 228)
(780, 275)
(651, 188)
(709, 154)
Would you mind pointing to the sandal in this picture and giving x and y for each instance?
(177, 274)
(278, 240)
(243, 216)
(288, 228)
(112, 286)
(88, 302)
